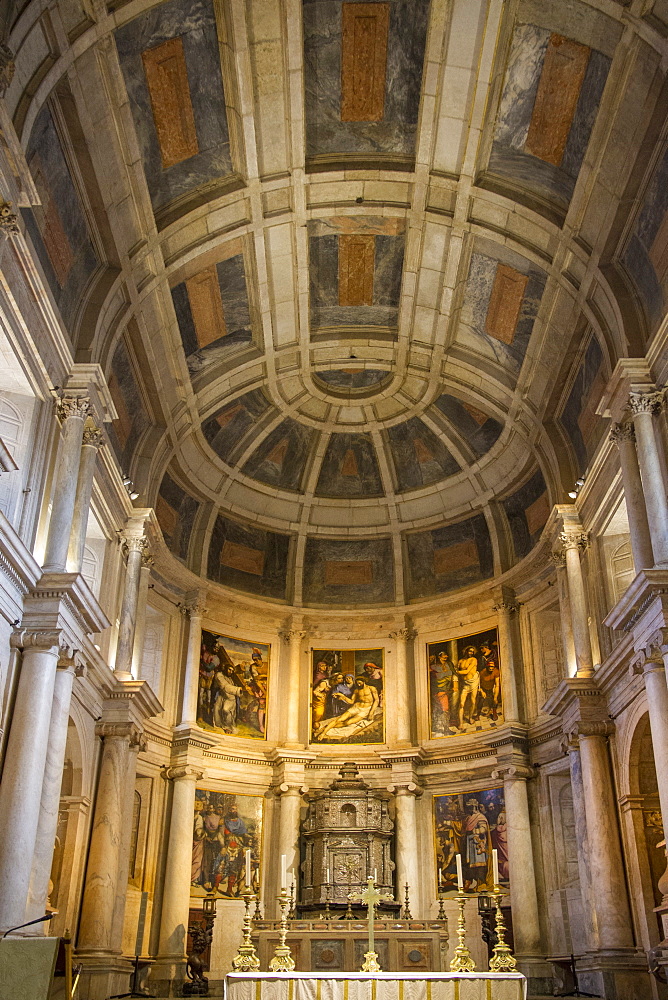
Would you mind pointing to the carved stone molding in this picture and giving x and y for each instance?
(128, 731)
(409, 788)
(135, 543)
(646, 402)
(181, 772)
(73, 406)
(582, 729)
(195, 610)
(570, 744)
(574, 538)
(506, 606)
(407, 634)
(92, 437)
(558, 557)
(513, 772)
(46, 640)
(285, 789)
(293, 635)
(9, 223)
(622, 432)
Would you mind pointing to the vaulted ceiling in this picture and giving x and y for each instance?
(357, 273)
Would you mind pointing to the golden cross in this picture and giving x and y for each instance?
(370, 897)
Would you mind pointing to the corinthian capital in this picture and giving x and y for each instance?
(195, 610)
(92, 437)
(9, 223)
(509, 607)
(136, 543)
(407, 634)
(622, 432)
(646, 402)
(73, 406)
(574, 538)
(296, 635)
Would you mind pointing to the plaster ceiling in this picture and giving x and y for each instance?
(356, 273)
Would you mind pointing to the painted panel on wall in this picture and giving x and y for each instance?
(347, 701)
(446, 558)
(471, 824)
(179, 107)
(249, 558)
(58, 227)
(350, 572)
(464, 684)
(362, 76)
(225, 826)
(232, 689)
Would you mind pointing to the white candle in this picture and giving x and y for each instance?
(249, 878)
(284, 871)
(495, 866)
(375, 875)
(328, 878)
(440, 877)
(460, 877)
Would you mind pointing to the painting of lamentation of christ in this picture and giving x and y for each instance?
(225, 826)
(233, 680)
(464, 684)
(471, 824)
(347, 699)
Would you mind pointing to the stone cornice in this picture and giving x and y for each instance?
(648, 586)
(630, 374)
(72, 593)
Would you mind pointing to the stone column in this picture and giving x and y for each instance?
(643, 405)
(641, 543)
(23, 772)
(294, 636)
(507, 662)
(73, 411)
(191, 680)
(50, 801)
(652, 664)
(92, 439)
(559, 560)
(404, 702)
(407, 861)
(608, 884)
(176, 886)
(147, 562)
(590, 943)
(523, 898)
(136, 547)
(137, 743)
(573, 541)
(103, 874)
(288, 832)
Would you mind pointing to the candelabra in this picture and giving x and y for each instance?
(257, 915)
(407, 905)
(502, 959)
(441, 909)
(246, 959)
(282, 960)
(462, 960)
(292, 912)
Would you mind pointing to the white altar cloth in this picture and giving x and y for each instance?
(375, 986)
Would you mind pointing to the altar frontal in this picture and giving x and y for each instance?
(377, 986)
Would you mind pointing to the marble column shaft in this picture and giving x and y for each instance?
(608, 884)
(96, 933)
(140, 625)
(507, 661)
(73, 411)
(191, 679)
(641, 542)
(47, 825)
(23, 772)
(176, 886)
(288, 835)
(407, 861)
(577, 597)
(654, 674)
(643, 406)
(128, 617)
(136, 743)
(92, 439)
(565, 612)
(294, 637)
(523, 898)
(589, 911)
(403, 706)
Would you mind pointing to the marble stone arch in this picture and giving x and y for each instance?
(627, 743)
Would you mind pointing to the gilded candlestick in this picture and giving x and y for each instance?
(462, 960)
(257, 915)
(292, 912)
(502, 959)
(441, 910)
(282, 960)
(246, 959)
(407, 906)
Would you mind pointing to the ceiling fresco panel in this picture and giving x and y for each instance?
(179, 109)
(281, 459)
(578, 417)
(646, 254)
(479, 430)
(349, 572)
(249, 558)
(447, 558)
(419, 456)
(349, 468)
(176, 511)
(527, 510)
(227, 427)
(132, 419)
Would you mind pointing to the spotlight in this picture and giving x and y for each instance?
(133, 495)
(127, 481)
(573, 495)
(579, 482)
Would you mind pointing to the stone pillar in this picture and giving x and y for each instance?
(523, 898)
(147, 562)
(23, 772)
(613, 916)
(294, 637)
(590, 943)
(288, 832)
(73, 411)
(407, 861)
(641, 543)
(50, 801)
(507, 660)
(92, 439)
(127, 803)
(573, 540)
(136, 547)
(559, 560)
(643, 405)
(191, 680)
(170, 963)
(103, 874)
(403, 707)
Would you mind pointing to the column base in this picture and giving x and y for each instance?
(616, 974)
(539, 973)
(167, 976)
(104, 976)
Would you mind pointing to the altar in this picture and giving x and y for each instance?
(375, 986)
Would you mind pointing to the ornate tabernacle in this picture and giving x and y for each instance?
(347, 838)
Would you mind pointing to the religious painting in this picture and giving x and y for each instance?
(225, 826)
(347, 700)
(232, 690)
(464, 684)
(471, 824)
